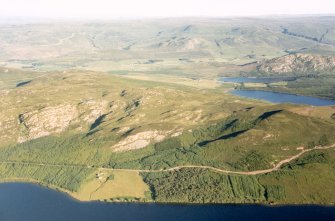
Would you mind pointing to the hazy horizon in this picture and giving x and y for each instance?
(43, 20)
(104, 9)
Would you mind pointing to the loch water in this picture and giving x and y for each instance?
(276, 97)
(30, 202)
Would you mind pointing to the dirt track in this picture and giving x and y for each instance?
(248, 173)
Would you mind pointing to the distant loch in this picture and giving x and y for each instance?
(255, 79)
(276, 97)
(273, 97)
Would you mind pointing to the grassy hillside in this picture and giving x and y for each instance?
(66, 129)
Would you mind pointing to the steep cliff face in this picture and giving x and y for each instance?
(298, 63)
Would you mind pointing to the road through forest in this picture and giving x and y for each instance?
(255, 172)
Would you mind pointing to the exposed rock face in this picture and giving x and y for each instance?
(298, 63)
(43, 122)
(92, 109)
(140, 140)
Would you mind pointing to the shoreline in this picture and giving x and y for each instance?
(73, 197)
(77, 197)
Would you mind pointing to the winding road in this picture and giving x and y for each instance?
(248, 173)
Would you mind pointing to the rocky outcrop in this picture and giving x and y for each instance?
(92, 110)
(298, 63)
(55, 119)
(39, 123)
(140, 140)
(133, 141)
